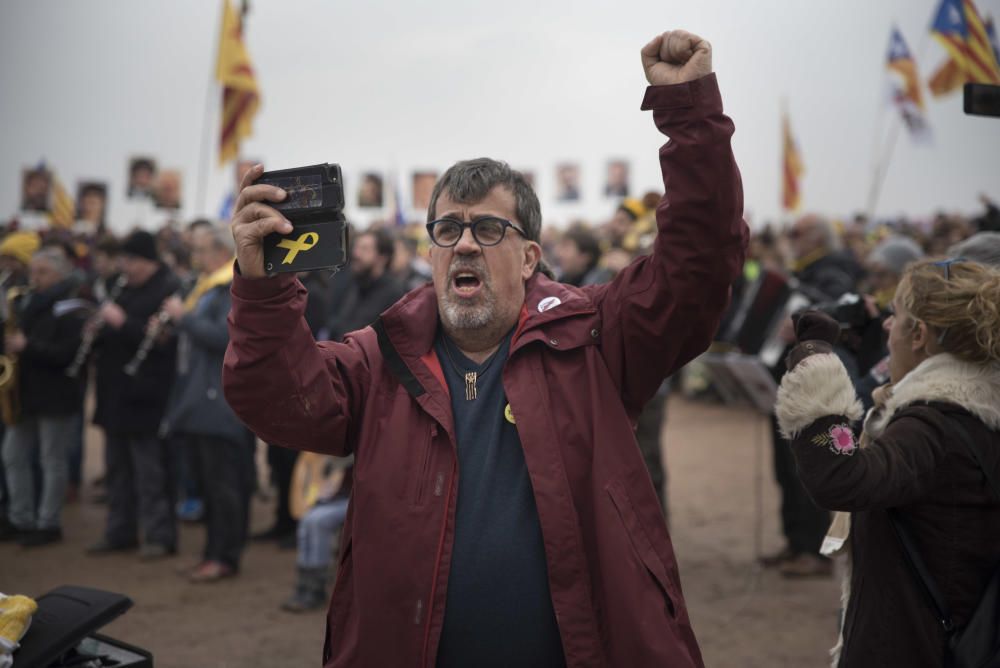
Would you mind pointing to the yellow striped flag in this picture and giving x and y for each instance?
(791, 167)
(63, 213)
(960, 29)
(240, 97)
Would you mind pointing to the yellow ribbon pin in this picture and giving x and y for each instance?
(509, 414)
(302, 244)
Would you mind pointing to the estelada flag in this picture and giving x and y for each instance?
(991, 32)
(904, 87)
(240, 96)
(961, 30)
(791, 167)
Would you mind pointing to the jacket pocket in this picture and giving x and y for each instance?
(641, 544)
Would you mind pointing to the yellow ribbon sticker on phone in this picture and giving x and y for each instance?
(300, 245)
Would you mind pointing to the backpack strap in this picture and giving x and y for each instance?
(916, 562)
(920, 572)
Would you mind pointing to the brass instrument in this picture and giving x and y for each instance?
(93, 328)
(152, 333)
(10, 400)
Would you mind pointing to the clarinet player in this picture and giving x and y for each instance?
(130, 408)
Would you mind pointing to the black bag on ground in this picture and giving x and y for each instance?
(977, 644)
(63, 632)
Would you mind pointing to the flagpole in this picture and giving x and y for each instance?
(783, 111)
(882, 163)
(882, 169)
(206, 137)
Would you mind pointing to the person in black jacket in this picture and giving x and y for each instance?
(199, 416)
(367, 288)
(50, 320)
(823, 275)
(130, 408)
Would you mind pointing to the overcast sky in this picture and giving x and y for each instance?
(402, 86)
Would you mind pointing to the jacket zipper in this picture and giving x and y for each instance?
(437, 567)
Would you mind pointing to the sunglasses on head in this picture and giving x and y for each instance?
(946, 264)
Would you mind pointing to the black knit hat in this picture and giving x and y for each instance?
(141, 244)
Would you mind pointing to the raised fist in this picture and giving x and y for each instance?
(816, 326)
(676, 56)
(816, 333)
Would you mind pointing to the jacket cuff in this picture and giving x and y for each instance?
(701, 96)
(818, 387)
(262, 288)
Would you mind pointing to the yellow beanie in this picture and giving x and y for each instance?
(634, 207)
(20, 245)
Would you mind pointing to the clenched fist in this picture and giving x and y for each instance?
(676, 56)
(253, 220)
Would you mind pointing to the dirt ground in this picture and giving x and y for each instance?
(724, 510)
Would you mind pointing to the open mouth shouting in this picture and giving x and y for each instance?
(466, 283)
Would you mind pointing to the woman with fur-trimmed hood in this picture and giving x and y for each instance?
(944, 344)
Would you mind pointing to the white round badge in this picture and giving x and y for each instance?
(548, 303)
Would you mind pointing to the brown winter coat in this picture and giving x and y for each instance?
(913, 461)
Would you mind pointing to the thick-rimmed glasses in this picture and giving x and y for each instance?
(487, 231)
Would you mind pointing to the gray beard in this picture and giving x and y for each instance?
(459, 317)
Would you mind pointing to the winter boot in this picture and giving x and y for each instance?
(310, 591)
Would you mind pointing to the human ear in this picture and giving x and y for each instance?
(920, 340)
(532, 255)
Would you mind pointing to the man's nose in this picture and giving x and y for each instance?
(887, 324)
(467, 244)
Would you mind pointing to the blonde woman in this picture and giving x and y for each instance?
(911, 460)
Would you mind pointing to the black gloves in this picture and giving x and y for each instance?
(816, 333)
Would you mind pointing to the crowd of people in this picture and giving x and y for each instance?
(141, 322)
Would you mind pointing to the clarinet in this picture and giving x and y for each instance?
(152, 333)
(93, 328)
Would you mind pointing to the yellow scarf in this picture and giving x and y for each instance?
(221, 276)
(801, 264)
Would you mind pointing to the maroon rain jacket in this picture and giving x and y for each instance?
(581, 367)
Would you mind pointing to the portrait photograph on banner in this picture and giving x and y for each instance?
(616, 180)
(91, 202)
(370, 191)
(423, 186)
(141, 177)
(36, 189)
(568, 182)
(168, 191)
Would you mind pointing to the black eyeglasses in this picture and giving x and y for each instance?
(487, 231)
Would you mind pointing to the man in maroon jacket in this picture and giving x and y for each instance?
(501, 512)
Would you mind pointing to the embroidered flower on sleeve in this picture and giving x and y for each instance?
(839, 438)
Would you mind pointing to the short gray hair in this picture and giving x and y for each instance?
(222, 236)
(469, 181)
(58, 258)
(983, 248)
(895, 252)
